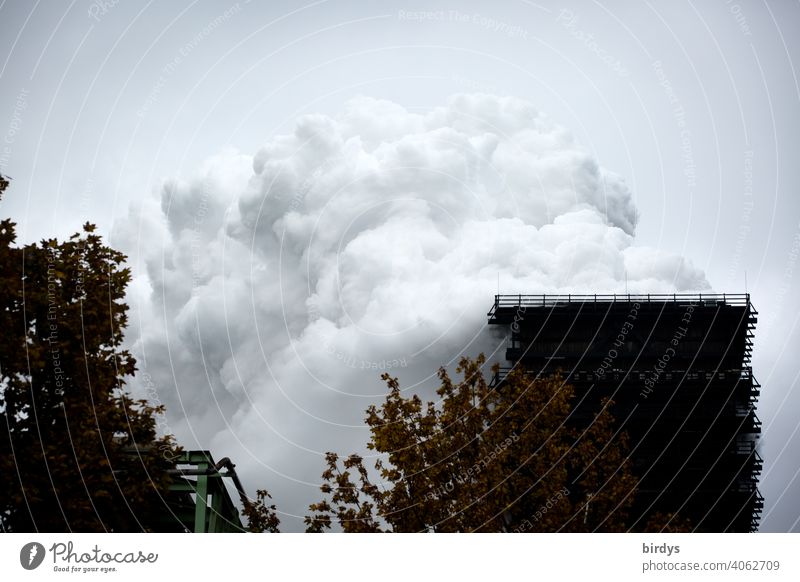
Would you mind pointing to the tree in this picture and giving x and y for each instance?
(489, 459)
(77, 453)
(261, 517)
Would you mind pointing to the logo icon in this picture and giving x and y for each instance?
(31, 555)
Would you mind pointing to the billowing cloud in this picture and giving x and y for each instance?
(272, 291)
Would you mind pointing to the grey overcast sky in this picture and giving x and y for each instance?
(128, 113)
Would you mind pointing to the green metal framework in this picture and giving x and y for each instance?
(200, 500)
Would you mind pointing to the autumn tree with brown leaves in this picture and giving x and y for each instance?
(77, 453)
(261, 515)
(506, 458)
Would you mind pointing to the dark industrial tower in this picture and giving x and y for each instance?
(678, 370)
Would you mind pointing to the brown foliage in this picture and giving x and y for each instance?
(261, 517)
(77, 453)
(667, 523)
(489, 459)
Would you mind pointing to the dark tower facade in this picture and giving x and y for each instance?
(678, 370)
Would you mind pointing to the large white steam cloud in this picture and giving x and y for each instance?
(272, 291)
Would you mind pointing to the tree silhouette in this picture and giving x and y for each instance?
(508, 458)
(261, 517)
(77, 453)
